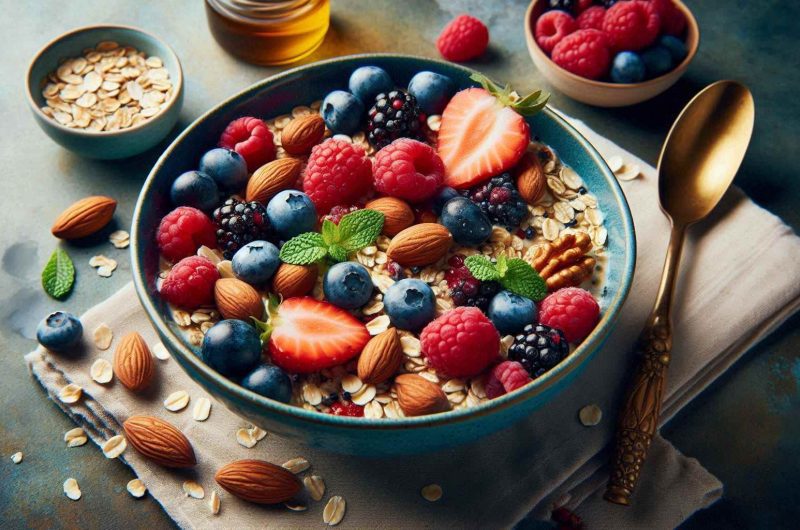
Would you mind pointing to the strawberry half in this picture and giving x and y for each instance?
(483, 132)
(307, 335)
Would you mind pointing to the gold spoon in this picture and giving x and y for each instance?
(699, 159)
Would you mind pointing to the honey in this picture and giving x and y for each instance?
(269, 32)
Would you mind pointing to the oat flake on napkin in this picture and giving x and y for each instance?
(548, 459)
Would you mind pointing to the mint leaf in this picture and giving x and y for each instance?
(304, 249)
(481, 268)
(523, 280)
(58, 275)
(359, 229)
(502, 265)
(330, 232)
(337, 253)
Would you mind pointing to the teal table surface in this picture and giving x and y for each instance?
(744, 428)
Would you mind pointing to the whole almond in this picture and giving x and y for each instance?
(420, 245)
(84, 218)
(397, 214)
(237, 299)
(294, 280)
(133, 363)
(258, 481)
(160, 441)
(272, 177)
(302, 134)
(530, 178)
(380, 358)
(418, 396)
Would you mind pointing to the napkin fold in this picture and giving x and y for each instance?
(735, 288)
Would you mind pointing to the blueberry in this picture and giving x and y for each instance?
(627, 67)
(369, 81)
(291, 213)
(410, 304)
(226, 167)
(269, 381)
(232, 348)
(466, 221)
(342, 112)
(256, 262)
(677, 48)
(441, 198)
(432, 91)
(59, 331)
(347, 285)
(657, 61)
(195, 189)
(511, 312)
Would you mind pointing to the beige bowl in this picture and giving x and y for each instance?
(600, 93)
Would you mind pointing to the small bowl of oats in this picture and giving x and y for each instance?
(107, 91)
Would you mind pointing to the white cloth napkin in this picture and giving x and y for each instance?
(735, 288)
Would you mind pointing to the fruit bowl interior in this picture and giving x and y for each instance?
(278, 95)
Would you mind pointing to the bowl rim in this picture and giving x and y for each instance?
(691, 27)
(294, 413)
(177, 90)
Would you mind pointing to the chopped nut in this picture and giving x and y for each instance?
(563, 263)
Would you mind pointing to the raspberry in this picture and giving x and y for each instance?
(183, 231)
(190, 283)
(592, 18)
(251, 138)
(584, 53)
(631, 25)
(572, 310)
(464, 38)
(506, 377)
(460, 343)
(673, 21)
(346, 409)
(551, 27)
(338, 172)
(408, 169)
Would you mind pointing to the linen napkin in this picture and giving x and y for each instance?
(734, 290)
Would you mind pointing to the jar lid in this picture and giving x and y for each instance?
(262, 9)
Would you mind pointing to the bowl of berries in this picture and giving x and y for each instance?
(611, 53)
(382, 254)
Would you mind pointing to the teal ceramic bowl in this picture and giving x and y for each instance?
(105, 144)
(277, 95)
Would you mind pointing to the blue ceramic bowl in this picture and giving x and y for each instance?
(106, 144)
(277, 95)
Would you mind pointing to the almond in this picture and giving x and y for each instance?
(272, 177)
(418, 396)
(160, 441)
(397, 214)
(302, 134)
(530, 178)
(294, 280)
(84, 218)
(133, 363)
(380, 358)
(258, 481)
(237, 299)
(420, 245)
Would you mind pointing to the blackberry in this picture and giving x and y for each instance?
(539, 348)
(239, 223)
(570, 6)
(465, 289)
(606, 3)
(394, 115)
(500, 201)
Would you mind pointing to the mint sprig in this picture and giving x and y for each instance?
(58, 274)
(526, 106)
(514, 274)
(355, 231)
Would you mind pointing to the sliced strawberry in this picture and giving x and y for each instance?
(309, 335)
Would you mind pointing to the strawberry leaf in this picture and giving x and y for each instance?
(526, 106)
(523, 280)
(359, 229)
(58, 275)
(482, 268)
(304, 249)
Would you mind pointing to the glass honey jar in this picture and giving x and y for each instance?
(269, 32)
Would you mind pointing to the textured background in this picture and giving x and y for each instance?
(744, 429)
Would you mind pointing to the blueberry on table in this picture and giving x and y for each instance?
(677, 48)
(269, 381)
(657, 61)
(466, 221)
(195, 189)
(511, 312)
(410, 304)
(59, 331)
(347, 285)
(232, 348)
(432, 91)
(342, 112)
(291, 213)
(256, 262)
(627, 67)
(369, 81)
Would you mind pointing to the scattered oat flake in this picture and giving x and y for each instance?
(71, 489)
(105, 266)
(334, 511)
(258, 433)
(296, 506)
(70, 393)
(115, 446)
(101, 371)
(431, 492)
(193, 489)
(245, 438)
(297, 465)
(629, 172)
(590, 415)
(615, 163)
(160, 351)
(136, 488)
(176, 401)
(315, 486)
(201, 409)
(75, 437)
(213, 502)
(103, 336)
(17, 457)
(120, 238)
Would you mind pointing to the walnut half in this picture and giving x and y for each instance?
(564, 263)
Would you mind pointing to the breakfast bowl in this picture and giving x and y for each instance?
(83, 104)
(604, 93)
(292, 90)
